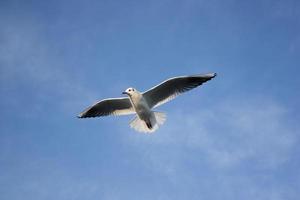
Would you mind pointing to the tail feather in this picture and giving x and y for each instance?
(160, 117)
(141, 126)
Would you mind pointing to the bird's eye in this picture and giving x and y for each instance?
(132, 89)
(129, 90)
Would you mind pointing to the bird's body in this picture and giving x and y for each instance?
(141, 104)
(142, 109)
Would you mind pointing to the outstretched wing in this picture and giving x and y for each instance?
(172, 87)
(113, 106)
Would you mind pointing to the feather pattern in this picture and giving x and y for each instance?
(173, 87)
(112, 106)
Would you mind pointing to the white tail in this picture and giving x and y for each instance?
(139, 125)
(160, 117)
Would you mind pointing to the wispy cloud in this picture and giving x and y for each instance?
(240, 134)
(232, 131)
(29, 61)
(56, 58)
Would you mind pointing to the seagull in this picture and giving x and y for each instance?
(142, 103)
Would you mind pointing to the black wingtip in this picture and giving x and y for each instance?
(210, 75)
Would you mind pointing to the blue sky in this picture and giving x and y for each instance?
(236, 137)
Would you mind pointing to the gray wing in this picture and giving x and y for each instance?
(172, 87)
(113, 106)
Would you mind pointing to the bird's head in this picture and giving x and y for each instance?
(130, 91)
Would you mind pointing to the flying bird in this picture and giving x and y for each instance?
(143, 103)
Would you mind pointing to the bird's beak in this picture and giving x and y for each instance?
(124, 93)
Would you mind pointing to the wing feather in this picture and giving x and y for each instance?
(113, 106)
(173, 87)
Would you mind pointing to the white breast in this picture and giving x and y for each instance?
(141, 106)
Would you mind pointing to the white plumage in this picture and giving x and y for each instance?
(141, 104)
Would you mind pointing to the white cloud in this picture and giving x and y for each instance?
(233, 131)
(29, 62)
(235, 136)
